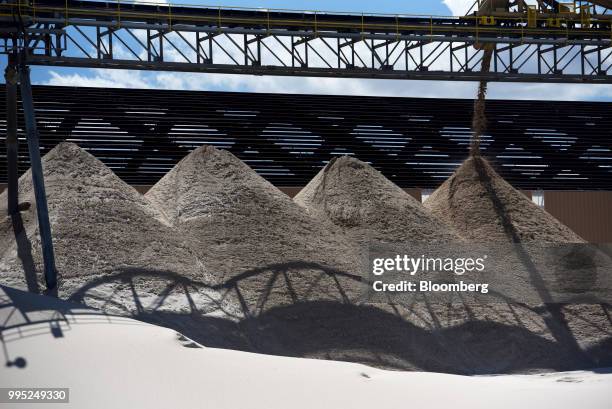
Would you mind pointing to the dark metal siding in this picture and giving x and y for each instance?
(415, 142)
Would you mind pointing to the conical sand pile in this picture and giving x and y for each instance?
(482, 206)
(358, 198)
(212, 225)
(112, 248)
(469, 338)
(254, 239)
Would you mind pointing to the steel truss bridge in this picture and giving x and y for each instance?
(557, 42)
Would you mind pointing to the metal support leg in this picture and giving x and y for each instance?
(12, 146)
(37, 179)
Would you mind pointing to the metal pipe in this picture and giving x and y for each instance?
(42, 210)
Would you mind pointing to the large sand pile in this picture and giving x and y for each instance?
(253, 238)
(213, 223)
(361, 200)
(457, 337)
(113, 249)
(483, 207)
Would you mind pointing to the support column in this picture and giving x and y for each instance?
(12, 143)
(42, 210)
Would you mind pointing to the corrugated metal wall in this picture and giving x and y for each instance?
(587, 213)
(287, 139)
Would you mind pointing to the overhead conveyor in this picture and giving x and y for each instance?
(546, 46)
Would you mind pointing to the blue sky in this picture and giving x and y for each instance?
(379, 6)
(220, 82)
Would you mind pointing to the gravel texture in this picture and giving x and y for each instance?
(219, 254)
(360, 200)
(113, 249)
(483, 207)
(256, 242)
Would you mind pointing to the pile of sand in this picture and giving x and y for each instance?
(461, 338)
(361, 200)
(483, 207)
(213, 231)
(113, 250)
(253, 238)
(458, 338)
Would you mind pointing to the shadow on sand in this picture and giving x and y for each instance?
(308, 323)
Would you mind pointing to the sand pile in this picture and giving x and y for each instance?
(113, 249)
(290, 271)
(253, 238)
(359, 199)
(483, 207)
(213, 228)
(461, 338)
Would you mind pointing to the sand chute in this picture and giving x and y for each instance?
(479, 119)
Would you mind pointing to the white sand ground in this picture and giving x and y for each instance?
(113, 362)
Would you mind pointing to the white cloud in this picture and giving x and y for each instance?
(150, 1)
(459, 7)
(101, 79)
(337, 86)
(550, 92)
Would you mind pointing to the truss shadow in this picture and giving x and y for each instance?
(305, 309)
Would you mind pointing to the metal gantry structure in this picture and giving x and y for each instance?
(547, 42)
(569, 43)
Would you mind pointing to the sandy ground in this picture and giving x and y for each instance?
(114, 362)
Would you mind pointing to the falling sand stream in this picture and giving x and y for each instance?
(479, 120)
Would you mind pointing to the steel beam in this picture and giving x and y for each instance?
(38, 182)
(287, 138)
(373, 73)
(83, 33)
(12, 147)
